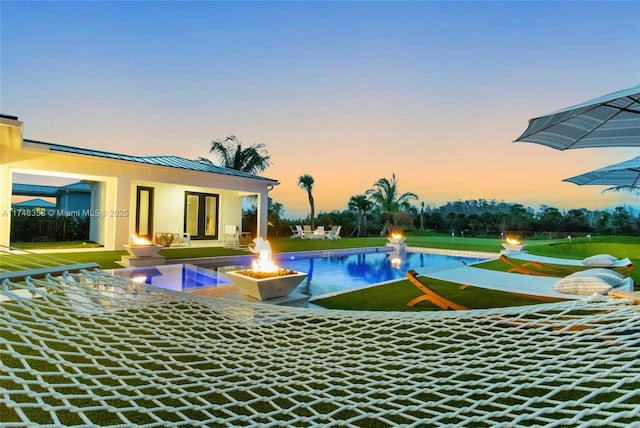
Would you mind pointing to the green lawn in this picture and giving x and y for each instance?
(55, 245)
(394, 297)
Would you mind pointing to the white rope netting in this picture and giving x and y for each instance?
(92, 349)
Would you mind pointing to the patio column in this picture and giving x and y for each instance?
(263, 211)
(10, 142)
(5, 205)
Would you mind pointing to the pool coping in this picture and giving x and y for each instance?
(239, 259)
(328, 253)
(460, 253)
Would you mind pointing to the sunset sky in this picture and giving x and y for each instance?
(348, 92)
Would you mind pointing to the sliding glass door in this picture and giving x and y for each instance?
(201, 215)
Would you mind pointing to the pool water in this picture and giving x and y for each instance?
(327, 273)
(341, 273)
(332, 273)
(177, 277)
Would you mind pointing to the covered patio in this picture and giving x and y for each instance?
(141, 195)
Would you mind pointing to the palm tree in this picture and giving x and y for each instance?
(386, 199)
(305, 182)
(230, 154)
(361, 205)
(634, 190)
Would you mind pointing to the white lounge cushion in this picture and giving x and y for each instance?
(587, 282)
(600, 260)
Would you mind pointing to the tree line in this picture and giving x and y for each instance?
(383, 209)
(458, 218)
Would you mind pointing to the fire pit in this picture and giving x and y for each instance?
(397, 242)
(141, 253)
(143, 250)
(265, 280)
(513, 244)
(396, 239)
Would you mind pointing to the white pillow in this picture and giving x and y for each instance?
(611, 277)
(600, 260)
(583, 285)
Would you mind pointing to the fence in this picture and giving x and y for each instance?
(48, 228)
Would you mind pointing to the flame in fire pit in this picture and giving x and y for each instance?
(264, 263)
(139, 241)
(512, 241)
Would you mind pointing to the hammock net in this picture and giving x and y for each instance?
(91, 349)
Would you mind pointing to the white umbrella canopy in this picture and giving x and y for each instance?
(612, 120)
(623, 174)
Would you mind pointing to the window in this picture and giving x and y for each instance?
(144, 212)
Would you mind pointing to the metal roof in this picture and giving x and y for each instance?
(22, 189)
(167, 161)
(75, 187)
(34, 203)
(33, 190)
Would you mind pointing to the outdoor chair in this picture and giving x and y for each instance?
(231, 235)
(297, 232)
(307, 233)
(334, 233)
(179, 238)
(319, 233)
(530, 264)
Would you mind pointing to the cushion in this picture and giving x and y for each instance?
(581, 284)
(600, 260)
(611, 277)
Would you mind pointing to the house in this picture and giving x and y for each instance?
(75, 198)
(35, 204)
(70, 198)
(142, 195)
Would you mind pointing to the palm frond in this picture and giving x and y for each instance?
(634, 190)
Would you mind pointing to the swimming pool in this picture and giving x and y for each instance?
(176, 277)
(327, 272)
(339, 271)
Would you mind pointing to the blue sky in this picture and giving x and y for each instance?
(348, 92)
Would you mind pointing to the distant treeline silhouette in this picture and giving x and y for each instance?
(477, 218)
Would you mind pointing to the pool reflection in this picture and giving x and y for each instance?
(331, 274)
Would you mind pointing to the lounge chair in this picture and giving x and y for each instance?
(334, 233)
(540, 262)
(541, 286)
(430, 295)
(307, 233)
